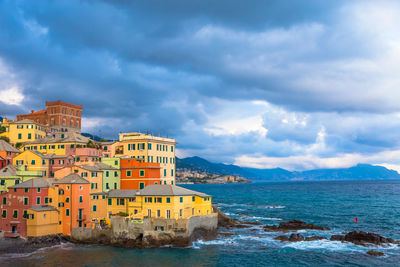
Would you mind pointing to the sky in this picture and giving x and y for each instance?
(299, 84)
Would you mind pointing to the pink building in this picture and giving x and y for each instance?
(84, 154)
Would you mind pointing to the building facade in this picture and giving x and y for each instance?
(137, 175)
(26, 131)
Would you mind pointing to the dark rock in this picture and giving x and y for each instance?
(223, 219)
(242, 214)
(360, 238)
(282, 238)
(296, 238)
(226, 234)
(263, 248)
(253, 230)
(242, 226)
(251, 223)
(313, 238)
(375, 253)
(294, 225)
(337, 238)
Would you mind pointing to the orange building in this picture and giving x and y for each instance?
(137, 175)
(7, 152)
(73, 202)
(93, 174)
(58, 115)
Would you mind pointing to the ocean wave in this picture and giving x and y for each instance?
(262, 218)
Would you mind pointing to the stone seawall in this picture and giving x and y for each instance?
(151, 232)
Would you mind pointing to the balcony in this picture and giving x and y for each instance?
(81, 218)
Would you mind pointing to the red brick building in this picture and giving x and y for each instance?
(137, 175)
(58, 115)
(15, 203)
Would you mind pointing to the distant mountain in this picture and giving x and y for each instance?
(358, 172)
(92, 136)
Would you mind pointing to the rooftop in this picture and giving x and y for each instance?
(43, 208)
(168, 190)
(35, 183)
(4, 146)
(72, 179)
(142, 137)
(122, 193)
(8, 171)
(26, 121)
(69, 137)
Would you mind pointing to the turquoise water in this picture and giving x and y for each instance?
(333, 204)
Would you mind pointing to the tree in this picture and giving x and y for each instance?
(5, 138)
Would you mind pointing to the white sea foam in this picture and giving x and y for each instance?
(23, 255)
(262, 218)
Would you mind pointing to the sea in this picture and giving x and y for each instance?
(327, 203)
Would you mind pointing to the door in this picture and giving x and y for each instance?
(14, 229)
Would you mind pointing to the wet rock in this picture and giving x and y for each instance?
(253, 230)
(251, 223)
(223, 219)
(242, 226)
(263, 248)
(282, 238)
(337, 238)
(226, 234)
(375, 253)
(361, 238)
(294, 225)
(314, 238)
(296, 238)
(242, 214)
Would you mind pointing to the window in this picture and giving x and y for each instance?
(29, 136)
(4, 200)
(128, 173)
(172, 148)
(168, 214)
(115, 185)
(116, 162)
(110, 201)
(168, 200)
(141, 185)
(38, 200)
(122, 201)
(149, 146)
(165, 172)
(141, 173)
(181, 199)
(107, 173)
(66, 212)
(94, 208)
(149, 213)
(46, 200)
(180, 213)
(193, 198)
(116, 174)
(26, 201)
(4, 214)
(172, 173)
(158, 213)
(19, 136)
(105, 148)
(15, 214)
(38, 190)
(3, 182)
(25, 215)
(67, 200)
(107, 186)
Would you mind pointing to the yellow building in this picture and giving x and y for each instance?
(26, 131)
(149, 148)
(5, 127)
(118, 201)
(8, 177)
(32, 161)
(98, 206)
(170, 202)
(43, 220)
(59, 143)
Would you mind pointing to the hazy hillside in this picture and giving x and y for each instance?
(358, 172)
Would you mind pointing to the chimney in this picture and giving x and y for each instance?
(32, 111)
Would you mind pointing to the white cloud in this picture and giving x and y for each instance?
(11, 96)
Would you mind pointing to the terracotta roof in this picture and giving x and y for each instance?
(43, 208)
(168, 190)
(72, 179)
(4, 146)
(121, 193)
(35, 183)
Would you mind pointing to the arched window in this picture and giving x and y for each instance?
(72, 123)
(64, 122)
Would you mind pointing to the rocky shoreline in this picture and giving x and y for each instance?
(359, 238)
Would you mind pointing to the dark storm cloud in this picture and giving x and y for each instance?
(159, 65)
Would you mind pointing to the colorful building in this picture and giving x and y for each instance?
(5, 128)
(151, 149)
(58, 143)
(8, 177)
(73, 202)
(7, 152)
(118, 201)
(137, 175)
(43, 220)
(98, 206)
(32, 162)
(59, 115)
(16, 202)
(170, 202)
(108, 149)
(26, 131)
